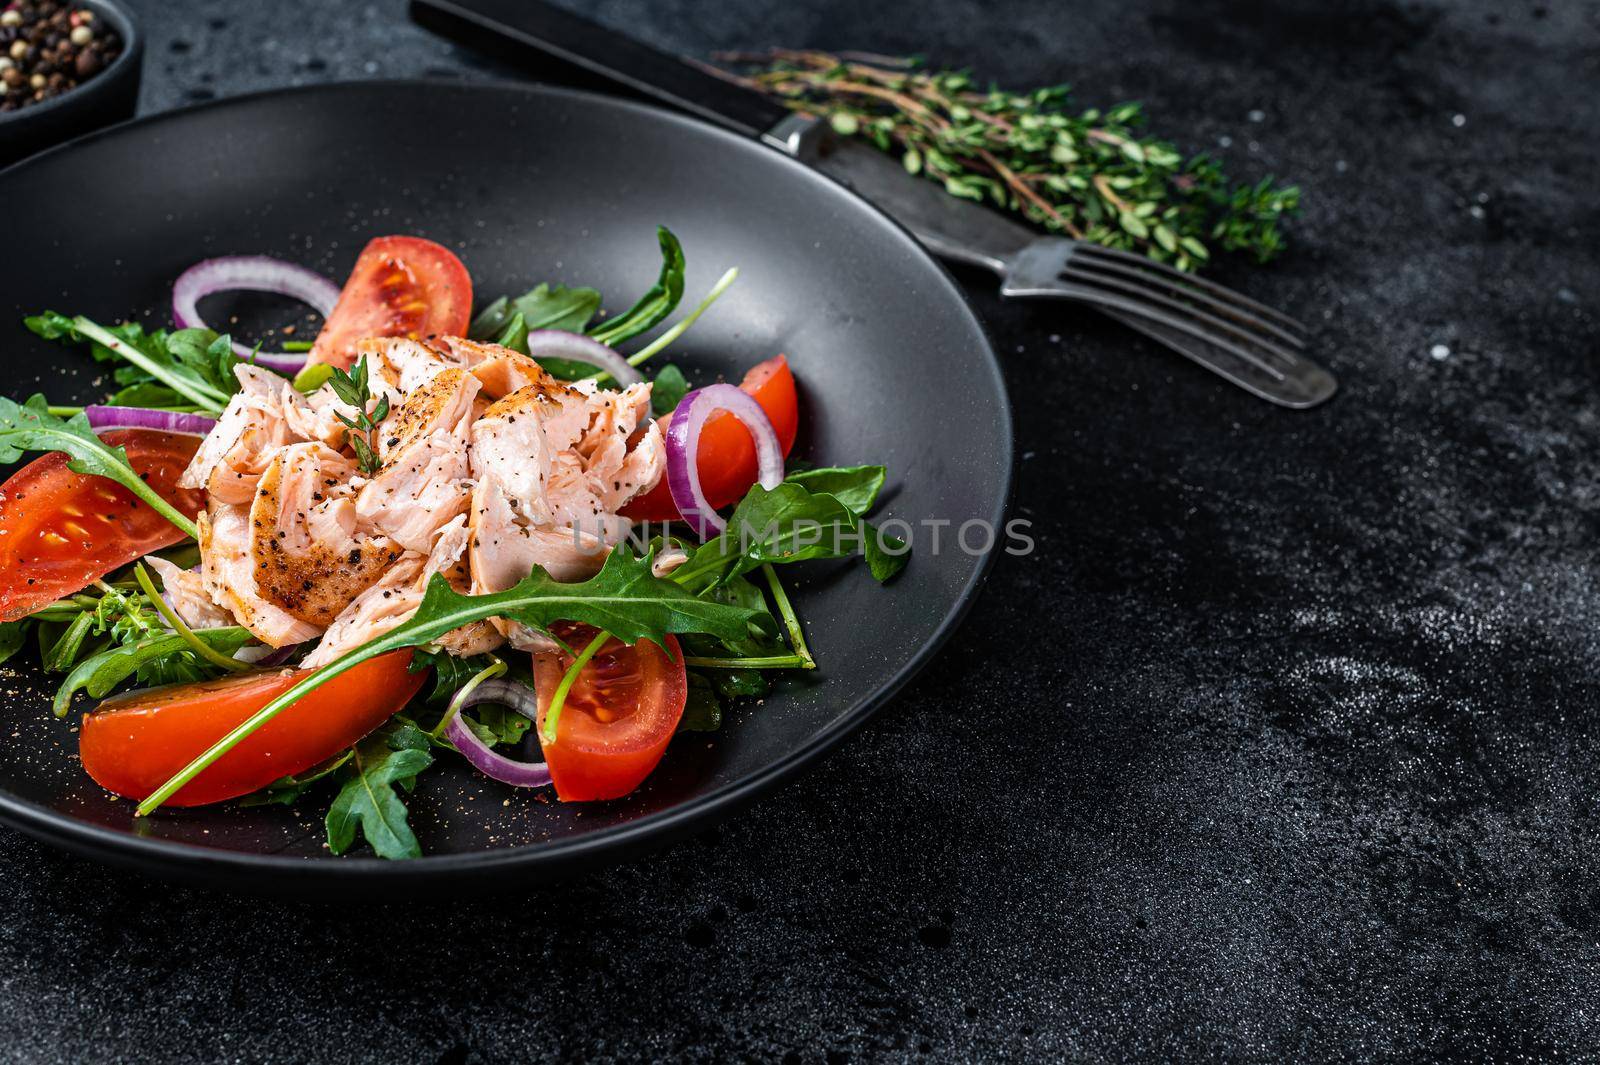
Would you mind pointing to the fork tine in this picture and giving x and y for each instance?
(1138, 294)
(1089, 268)
(1185, 324)
(1101, 251)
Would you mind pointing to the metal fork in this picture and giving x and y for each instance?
(1252, 345)
(1249, 343)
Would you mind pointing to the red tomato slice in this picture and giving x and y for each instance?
(134, 743)
(60, 530)
(727, 455)
(618, 718)
(400, 287)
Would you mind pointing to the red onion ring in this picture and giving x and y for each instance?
(683, 445)
(556, 344)
(102, 418)
(484, 758)
(252, 273)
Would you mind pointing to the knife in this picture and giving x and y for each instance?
(1240, 340)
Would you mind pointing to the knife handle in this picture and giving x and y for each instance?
(523, 31)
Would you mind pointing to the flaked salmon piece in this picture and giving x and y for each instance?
(311, 560)
(502, 370)
(185, 592)
(669, 558)
(424, 481)
(398, 366)
(239, 448)
(379, 608)
(396, 596)
(505, 548)
(518, 437)
(443, 403)
(449, 557)
(570, 454)
(316, 417)
(229, 573)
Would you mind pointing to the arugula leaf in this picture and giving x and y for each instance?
(653, 306)
(496, 725)
(31, 427)
(147, 393)
(702, 712)
(209, 354)
(624, 598)
(450, 672)
(541, 307)
(857, 487)
(100, 673)
(193, 371)
(368, 803)
(66, 648)
(515, 334)
(285, 791)
(791, 523)
(670, 388)
(13, 634)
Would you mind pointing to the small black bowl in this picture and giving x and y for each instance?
(107, 97)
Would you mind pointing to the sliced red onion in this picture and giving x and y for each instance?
(102, 418)
(555, 344)
(261, 654)
(252, 273)
(484, 758)
(683, 444)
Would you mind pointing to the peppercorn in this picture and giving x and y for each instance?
(49, 47)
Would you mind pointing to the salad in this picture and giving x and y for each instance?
(433, 531)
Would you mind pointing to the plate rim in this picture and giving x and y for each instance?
(557, 857)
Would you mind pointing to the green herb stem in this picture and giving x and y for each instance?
(1092, 175)
(623, 583)
(791, 620)
(210, 399)
(662, 342)
(196, 644)
(552, 716)
(768, 662)
(298, 345)
(489, 672)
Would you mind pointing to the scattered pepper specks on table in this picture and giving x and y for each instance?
(1285, 744)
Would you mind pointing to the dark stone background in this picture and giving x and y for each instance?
(1283, 745)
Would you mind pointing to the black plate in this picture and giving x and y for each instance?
(527, 184)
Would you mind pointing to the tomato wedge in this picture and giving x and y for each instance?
(727, 454)
(134, 743)
(618, 718)
(61, 530)
(400, 287)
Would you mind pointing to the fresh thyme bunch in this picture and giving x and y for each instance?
(1088, 175)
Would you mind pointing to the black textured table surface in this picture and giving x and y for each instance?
(1285, 744)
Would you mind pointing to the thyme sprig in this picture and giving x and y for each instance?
(1090, 175)
(353, 389)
